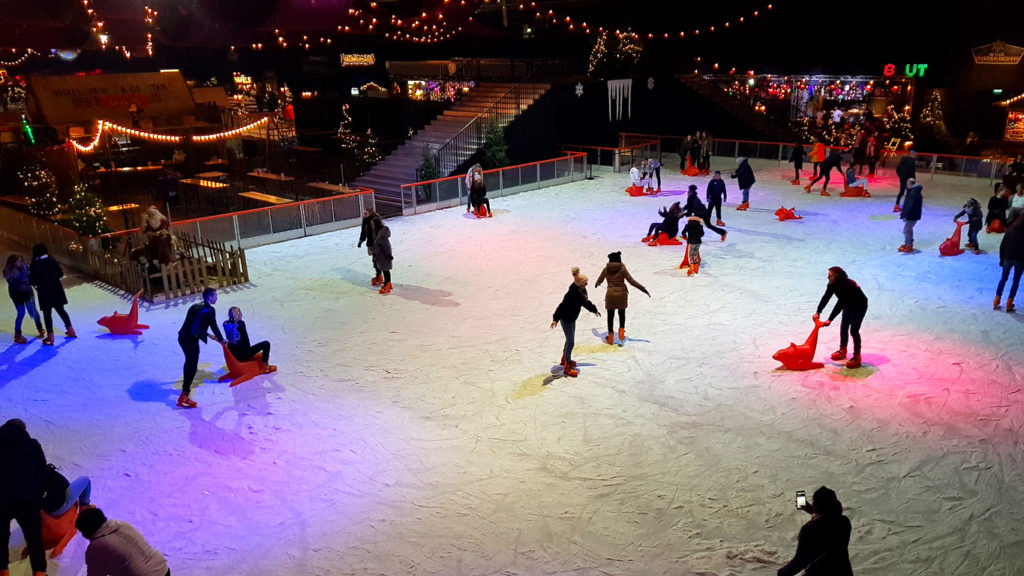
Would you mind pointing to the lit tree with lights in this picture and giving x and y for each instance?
(932, 119)
(495, 149)
(345, 135)
(40, 188)
(628, 53)
(369, 154)
(87, 215)
(898, 123)
(598, 57)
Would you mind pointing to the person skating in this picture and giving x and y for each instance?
(45, 275)
(694, 207)
(19, 288)
(477, 190)
(852, 181)
(745, 179)
(1011, 257)
(822, 547)
(906, 171)
(716, 195)
(567, 312)
(911, 213)
(382, 255)
(617, 295)
(22, 485)
(200, 319)
(366, 235)
(654, 166)
(995, 216)
(834, 161)
(669, 224)
(972, 209)
(237, 337)
(817, 156)
(851, 301)
(796, 157)
(117, 548)
(693, 232)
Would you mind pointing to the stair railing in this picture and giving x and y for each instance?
(454, 151)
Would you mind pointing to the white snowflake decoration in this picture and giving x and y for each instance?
(579, 89)
(650, 83)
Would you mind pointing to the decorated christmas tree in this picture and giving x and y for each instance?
(932, 120)
(40, 188)
(86, 213)
(628, 53)
(369, 154)
(495, 149)
(598, 57)
(898, 124)
(345, 135)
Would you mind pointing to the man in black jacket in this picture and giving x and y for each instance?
(822, 547)
(201, 318)
(905, 170)
(910, 214)
(21, 491)
(694, 207)
(834, 161)
(716, 194)
(1011, 257)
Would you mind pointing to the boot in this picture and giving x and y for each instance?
(570, 371)
(647, 238)
(696, 268)
(839, 354)
(70, 332)
(854, 362)
(902, 248)
(724, 234)
(48, 341)
(385, 289)
(995, 304)
(719, 223)
(795, 182)
(897, 208)
(690, 270)
(622, 334)
(268, 368)
(824, 191)
(807, 188)
(185, 402)
(377, 281)
(610, 338)
(572, 363)
(19, 339)
(1009, 305)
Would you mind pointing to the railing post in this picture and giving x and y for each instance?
(935, 159)
(736, 154)
(615, 160)
(302, 218)
(538, 176)
(238, 235)
(780, 154)
(992, 174)
(501, 182)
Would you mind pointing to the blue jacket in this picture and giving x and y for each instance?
(912, 205)
(716, 190)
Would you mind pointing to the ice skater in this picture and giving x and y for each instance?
(1011, 257)
(45, 275)
(241, 348)
(640, 182)
(22, 481)
(117, 547)
(995, 216)
(200, 319)
(19, 289)
(716, 195)
(654, 167)
(477, 190)
(61, 495)
(972, 209)
(617, 295)
(693, 232)
(796, 156)
(853, 181)
(669, 224)
(910, 214)
(851, 301)
(745, 178)
(906, 171)
(366, 235)
(694, 207)
(567, 313)
(834, 161)
(817, 156)
(823, 544)
(382, 255)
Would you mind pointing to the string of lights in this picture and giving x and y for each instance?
(1012, 101)
(95, 141)
(104, 126)
(17, 62)
(231, 133)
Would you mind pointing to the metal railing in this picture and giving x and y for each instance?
(471, 137)
(619, 159)
(990, 167)
(451, 191)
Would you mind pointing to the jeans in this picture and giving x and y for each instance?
(850, 323)
(860, 182)
(29, 307)
(746, 195)
(569, 328)
(972, 233)
(79, 490)
(908, 232)
(1018, 269)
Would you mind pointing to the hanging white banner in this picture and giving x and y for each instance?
(618, 90)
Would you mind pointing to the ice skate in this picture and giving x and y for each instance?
(70, 332)
(824, 191)
(572, 363)
(622, 334)
(724, 234)
(570, 371)
(839, 354)
(19, 339)
(719, 223)
(610, 338)
(897, 208)
(853, 362)
(385, 289)
(995, 303)
(1009, 305)
(377, 281)
(185, 402)
(807, 188)
(48, 341)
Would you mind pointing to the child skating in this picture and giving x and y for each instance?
(567, 313)
(693, 232)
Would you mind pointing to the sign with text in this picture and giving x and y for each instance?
(998, 52)
(74, 99)
(910, 70)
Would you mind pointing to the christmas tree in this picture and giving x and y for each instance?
(598, 57)
(40, 188)
(932, 120)
(628, 54)
(495, 147)
(369, 154)
(898, 124)
(87, 215)
(345, 135)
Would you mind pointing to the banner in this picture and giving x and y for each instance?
(998, 52)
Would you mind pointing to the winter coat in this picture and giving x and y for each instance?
(745, 174)
(912, 204)
(199, 320)
(1012, 246)
(366, 233)
(848, 294)
(997, 206)
(716, 191)
(18, 285)
(694, 207)
(834, 160)
(796, 156)
(670, 221)
(693, 231)
(382, 256)
(907, 168)
(118, 549)
(817, 152)
(973, 211)
(617, 296)
(822, 548)
(569, 310)
(23, 479)
(45, 275)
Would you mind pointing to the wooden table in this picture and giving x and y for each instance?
(212, 175)
(212, 163)
(280, 180)
(331, 189)
(264, 197)
(203, 187)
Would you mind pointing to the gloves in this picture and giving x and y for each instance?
(359, 245)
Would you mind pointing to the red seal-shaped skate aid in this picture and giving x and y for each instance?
(124, 323)
(801, 357)
(951, 246)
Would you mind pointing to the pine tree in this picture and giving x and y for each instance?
(87, 215)
(898, 124)
(495, 149)
(40, 188)
(369, 154)
(345, 135)
(932, 119)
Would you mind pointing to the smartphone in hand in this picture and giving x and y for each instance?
(801, 499)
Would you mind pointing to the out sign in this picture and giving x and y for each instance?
(910, 70)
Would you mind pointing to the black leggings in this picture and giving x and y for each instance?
(387, 276)
(190, 346)
(611, 319)
(796, 171)
(242, 354)
(707, 222)
(48, 317)
(824, 174)
(476, 201)
(851, 322)
(715, 206)
(27, 515)
(654, 229)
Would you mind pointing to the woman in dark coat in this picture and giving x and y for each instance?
(382, 256)
(822, 547)
(19, 288)
(22, 482)
(745, 178)
(366, 235)
(617, 296)
(45, 275)
(796, 156)
(851, 301)
(567, 312)
(669, 223)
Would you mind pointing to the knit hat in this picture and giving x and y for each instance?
(577, 278)
(615, 257)
(692, 188)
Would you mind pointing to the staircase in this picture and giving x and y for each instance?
(738, 109)
(452, 137)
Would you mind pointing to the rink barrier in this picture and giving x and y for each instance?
(429, 195)
(619, 159)
(990, 167)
